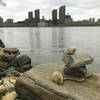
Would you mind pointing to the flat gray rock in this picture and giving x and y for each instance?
(36, 84)
(77, 60)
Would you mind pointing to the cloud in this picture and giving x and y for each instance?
(79, 9)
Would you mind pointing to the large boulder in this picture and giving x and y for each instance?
(36, 84)
(22, 63)
(77, 60)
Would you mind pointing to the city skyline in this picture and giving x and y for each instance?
(79, 9)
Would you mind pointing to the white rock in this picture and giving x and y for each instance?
(57, 77)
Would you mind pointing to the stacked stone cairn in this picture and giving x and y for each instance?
(12, 65)
(75, 64)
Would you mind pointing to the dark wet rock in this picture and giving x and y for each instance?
(21, 60)
(9, 72)
(10, 51)
(4, 65)
(1, 55)
(2, 44)
(4, 57)
(23, 68)
(12, 62)
(8, 58)
(22, 63)
(2, 73)
(36, 84)
(26, 67)
(75, 72)
(17, 74)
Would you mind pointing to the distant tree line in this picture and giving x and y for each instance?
(81, 23)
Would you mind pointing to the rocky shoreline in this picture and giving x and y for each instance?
(12, 65)
(36, 84)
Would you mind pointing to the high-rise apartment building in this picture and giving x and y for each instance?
(30, 16)
(61, 14)
(37, 15)
(1, 20)
(54, 16)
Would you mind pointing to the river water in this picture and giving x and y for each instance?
(45, 44)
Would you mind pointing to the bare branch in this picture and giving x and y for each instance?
(2, 3)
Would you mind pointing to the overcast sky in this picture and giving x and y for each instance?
(79, 9)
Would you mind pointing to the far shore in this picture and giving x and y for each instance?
(14, 26)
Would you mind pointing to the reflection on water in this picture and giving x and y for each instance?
(58, 40)
(61, 38)
(54, 39)
(47, 44)
(31, 39)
